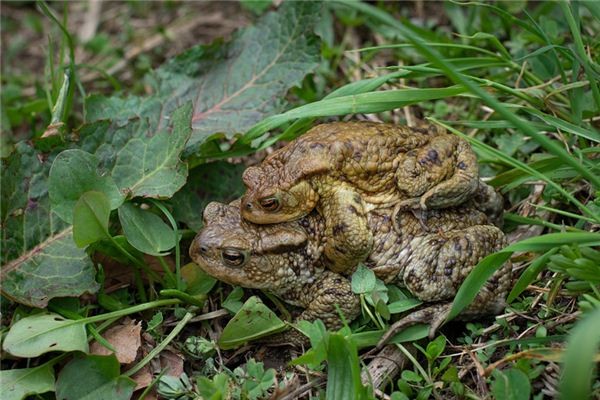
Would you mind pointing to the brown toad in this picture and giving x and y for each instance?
(347, 169)
(287, 260)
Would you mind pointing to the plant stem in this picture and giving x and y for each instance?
(161, 346)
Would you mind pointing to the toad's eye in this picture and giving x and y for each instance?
(270, 203)
(233, 257)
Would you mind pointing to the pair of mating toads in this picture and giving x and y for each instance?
(406, 202)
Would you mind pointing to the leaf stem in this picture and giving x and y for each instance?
(177, 238)
(187, 317)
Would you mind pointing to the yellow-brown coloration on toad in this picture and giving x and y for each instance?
(287, 260)
(347, 169)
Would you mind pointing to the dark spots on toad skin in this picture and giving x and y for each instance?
(357, 155)
(316, 145)
(457, 246)
(352, 209)
(357, 199)
(422, 131)
(431, 157)
(334, 292)
(337, 281)
(339, 228)
(448, 271)
(461, 165)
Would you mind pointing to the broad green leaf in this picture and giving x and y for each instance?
(20, 383)
(145, 231)
(100, 377)
(41, 333)
(253, 321)
(54, 268)
(363, 280)
(90, 218)
(197, 281)
(343, 370)
(39, 258)
(578, 367)
(73, 173)
(216, 181)
(511, 385)
(403, 305)
(232, 86)
(151, 167)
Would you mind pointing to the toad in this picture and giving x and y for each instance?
(347, 169)
(287, 259)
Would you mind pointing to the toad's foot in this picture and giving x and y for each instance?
(435, 315)
(414, 206)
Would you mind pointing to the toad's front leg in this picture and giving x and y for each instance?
(323, 299)
(349, 238)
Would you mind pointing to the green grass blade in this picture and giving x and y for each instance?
(574, 26)
(530, 274)
(433, 56)
(343, 373)
(490, 264)
(578, 367)
(361, 103)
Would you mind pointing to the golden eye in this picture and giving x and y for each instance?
(233, 257)
(270, 203)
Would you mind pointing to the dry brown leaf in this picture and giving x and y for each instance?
(126, 340)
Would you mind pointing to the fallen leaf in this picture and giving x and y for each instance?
(126, 340)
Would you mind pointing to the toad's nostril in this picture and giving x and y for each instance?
(203, 249)
(249, 206)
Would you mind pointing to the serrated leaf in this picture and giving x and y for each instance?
(232, 86)
(151, 167)
(145, 231)
(254, 320)
(216, 181)
(90, 218)
(40, 260)
(41, 333)
(73, 173)
(101, 376)
(20, 383)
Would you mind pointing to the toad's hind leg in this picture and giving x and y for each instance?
(349, 238)
(440, 263)
(438, 266)
(442, 174)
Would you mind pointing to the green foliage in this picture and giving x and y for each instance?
(101, 376)
(73, 173)
(41, 333)
(145, 231)
(90, 218)
(253, 321)
(20, 383)
(343, 370)
(512, 384)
